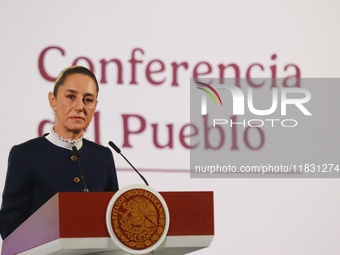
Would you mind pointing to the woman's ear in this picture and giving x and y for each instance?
(52, 101)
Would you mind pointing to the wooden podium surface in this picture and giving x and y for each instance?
(74, 223)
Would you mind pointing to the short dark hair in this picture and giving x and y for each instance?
(73, 70)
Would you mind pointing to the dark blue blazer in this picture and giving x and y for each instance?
(38, 169)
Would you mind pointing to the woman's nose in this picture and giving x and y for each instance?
(78, 104)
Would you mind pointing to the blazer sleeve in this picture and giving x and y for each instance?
(17, 193)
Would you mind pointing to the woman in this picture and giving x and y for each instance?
(56, 162)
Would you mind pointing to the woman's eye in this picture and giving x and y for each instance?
(88, 101)
(71, 96)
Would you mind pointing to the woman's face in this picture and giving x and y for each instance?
(74, 105)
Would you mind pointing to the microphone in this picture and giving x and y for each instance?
(115, 147)
(85, 189)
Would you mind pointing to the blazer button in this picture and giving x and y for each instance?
(74, 157)
(76, 179)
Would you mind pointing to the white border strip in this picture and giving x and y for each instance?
(79, 246)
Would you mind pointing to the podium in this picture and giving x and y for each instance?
(74, 223)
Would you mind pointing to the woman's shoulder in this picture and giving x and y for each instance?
(93, 147)
(33, 141)
(93, 144)
(38, 142)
